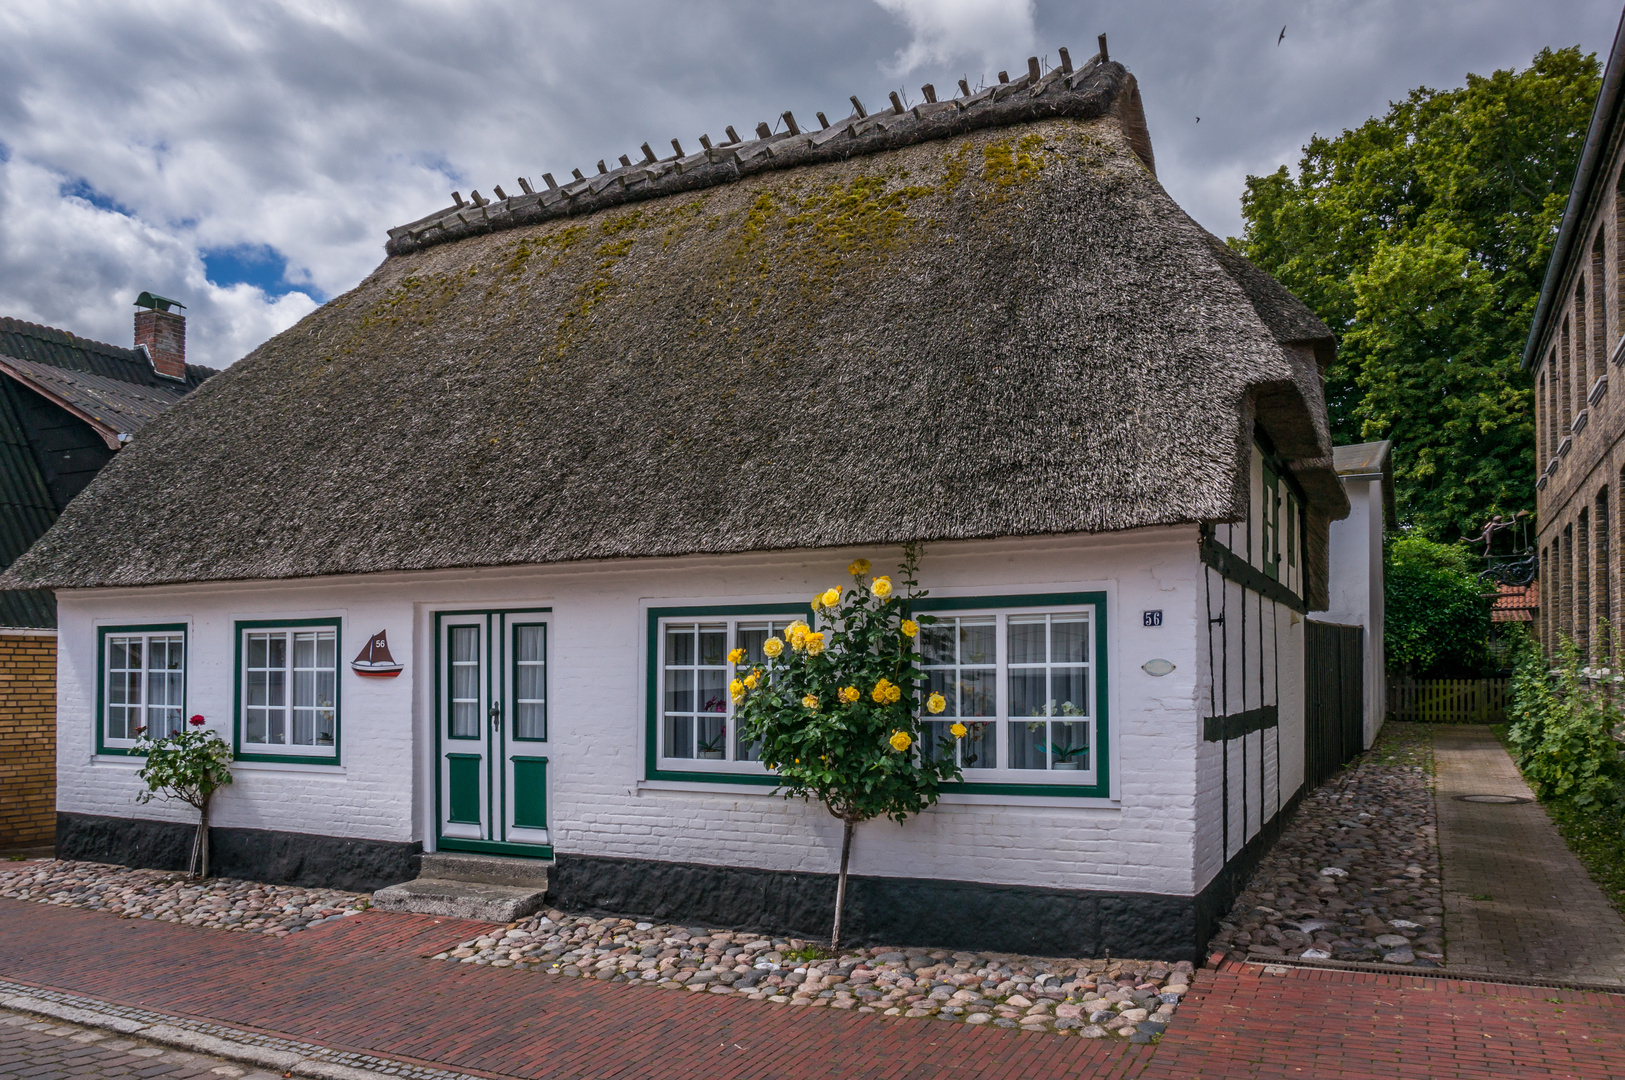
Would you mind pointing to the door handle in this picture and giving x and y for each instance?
(496, 716)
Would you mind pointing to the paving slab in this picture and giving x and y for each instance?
(1517, 901)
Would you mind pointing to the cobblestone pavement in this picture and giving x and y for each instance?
(35, 1049)
(365, 984)
(168, 896)
(1517, 901)
(1131, 999)
(1355, 874)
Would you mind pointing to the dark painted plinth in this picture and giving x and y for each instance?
(892, 911)
(1216, 898)
(281, 858)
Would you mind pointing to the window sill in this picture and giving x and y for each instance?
(322, 766)
(948, 798)
(286, 759)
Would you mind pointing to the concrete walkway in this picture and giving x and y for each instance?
(1516, 900)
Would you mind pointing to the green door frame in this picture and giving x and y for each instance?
(499, 681)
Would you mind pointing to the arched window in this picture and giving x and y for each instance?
(1602, 583)
(1582, 355)
(1599, 313)
(1582, 584)
(1566, 391)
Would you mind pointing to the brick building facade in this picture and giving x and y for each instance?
(27, 737)
(1576, 346)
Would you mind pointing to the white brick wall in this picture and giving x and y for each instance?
(1141, 839)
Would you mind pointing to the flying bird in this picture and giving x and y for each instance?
(1281, 38)
(1198, 119)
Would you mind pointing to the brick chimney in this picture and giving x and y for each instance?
(161, 332)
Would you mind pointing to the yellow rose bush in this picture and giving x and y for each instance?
(836, 713)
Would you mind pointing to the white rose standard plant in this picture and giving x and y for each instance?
(190, 765)
(835, 713)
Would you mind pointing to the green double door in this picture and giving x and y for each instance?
(491, 731)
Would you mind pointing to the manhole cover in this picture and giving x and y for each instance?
(1492, 798)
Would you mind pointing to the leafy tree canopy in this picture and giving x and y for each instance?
(1437, 616)
(1421, 238)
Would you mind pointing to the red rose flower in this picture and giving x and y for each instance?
(197, 721)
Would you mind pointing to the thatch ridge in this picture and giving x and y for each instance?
(1005, 332)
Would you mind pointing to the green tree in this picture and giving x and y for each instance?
(835, 713)
(1437, 614)
(1421, 238)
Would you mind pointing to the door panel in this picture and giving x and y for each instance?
(491, 728)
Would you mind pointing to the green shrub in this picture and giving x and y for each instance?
(1438, 616)
(1564, 717)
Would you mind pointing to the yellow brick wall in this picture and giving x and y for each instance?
(27, 739)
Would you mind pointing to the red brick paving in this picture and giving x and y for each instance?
(362, 984)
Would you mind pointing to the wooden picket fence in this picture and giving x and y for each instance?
(1448, 701)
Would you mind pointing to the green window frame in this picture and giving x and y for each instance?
(1028, 606)
(289, 702)
(107, 637)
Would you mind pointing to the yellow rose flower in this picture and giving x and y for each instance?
(831, 597)
(881, 587)
(817, 601)
(848, 694)
(894, 694)
(859, 567)
(886, 692)
(736, 690)
(958, 731)
(814, 643)
(910, 628)
(737, 656)
(772, 647)
(811, 701)
(796, 635)
(936, 703)
(751, 680)
(901, 740)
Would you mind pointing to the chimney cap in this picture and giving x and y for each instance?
(156, 302)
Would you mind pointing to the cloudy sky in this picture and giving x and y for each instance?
(246, 158)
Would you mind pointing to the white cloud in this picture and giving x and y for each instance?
(998, 33)
(141, 142)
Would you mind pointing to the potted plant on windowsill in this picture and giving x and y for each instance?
(1064, 756)
(711, 749)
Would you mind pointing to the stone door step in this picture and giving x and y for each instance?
(462, 899)
(485, 869)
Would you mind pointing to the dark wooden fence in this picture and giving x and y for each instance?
(1334, 676)
(1448, 701)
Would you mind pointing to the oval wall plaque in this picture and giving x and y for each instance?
(1157, 667)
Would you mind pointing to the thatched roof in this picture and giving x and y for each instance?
(995, 324)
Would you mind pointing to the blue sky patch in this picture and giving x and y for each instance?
(259, 265)
(80, 188)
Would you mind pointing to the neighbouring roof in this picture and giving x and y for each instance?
(987, 320)
(1370, 461)
(1515, 603)
(1586, 196)
(113, 390)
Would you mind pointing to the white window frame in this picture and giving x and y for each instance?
(731, 761)
(1001, 772)
(321, 752)
(146, 636)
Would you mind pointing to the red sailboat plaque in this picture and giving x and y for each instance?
(374, 660)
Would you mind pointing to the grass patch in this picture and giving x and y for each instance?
(811, 954)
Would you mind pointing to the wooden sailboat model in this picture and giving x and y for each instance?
(374, 660)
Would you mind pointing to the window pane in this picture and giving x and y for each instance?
(465, 644)
(679, 737)
(977, 750)
(532, 682)
(1069, 691)
(1068, 637)
(531, 644)
(976, 642)
(713, 644)
(304, 650)
(256, 650)
(1070, 744)
(304, 685)
(680, 646)
(1028, 696)
(530, 721)
(750, 639)
(118, 722)
(257, 688)
(121, 689)
(174, 687)
(935, 739)
(1027, 738)
(325, 722)
(465, 682)
(937, 643)
(745, 749)
(713, 691)
(326, 691)
(942, 682)
(118, 654)
(277, 722)
(680, 690)
(304, 727)
(465, 719)
(276, 686)
(326, 649)
(978, 692)
(1027, 636)
(256, 726)
(712, 731)
(276, 650)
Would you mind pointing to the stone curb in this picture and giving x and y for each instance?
(287, 1062)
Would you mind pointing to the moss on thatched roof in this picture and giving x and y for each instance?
(1000, 331)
